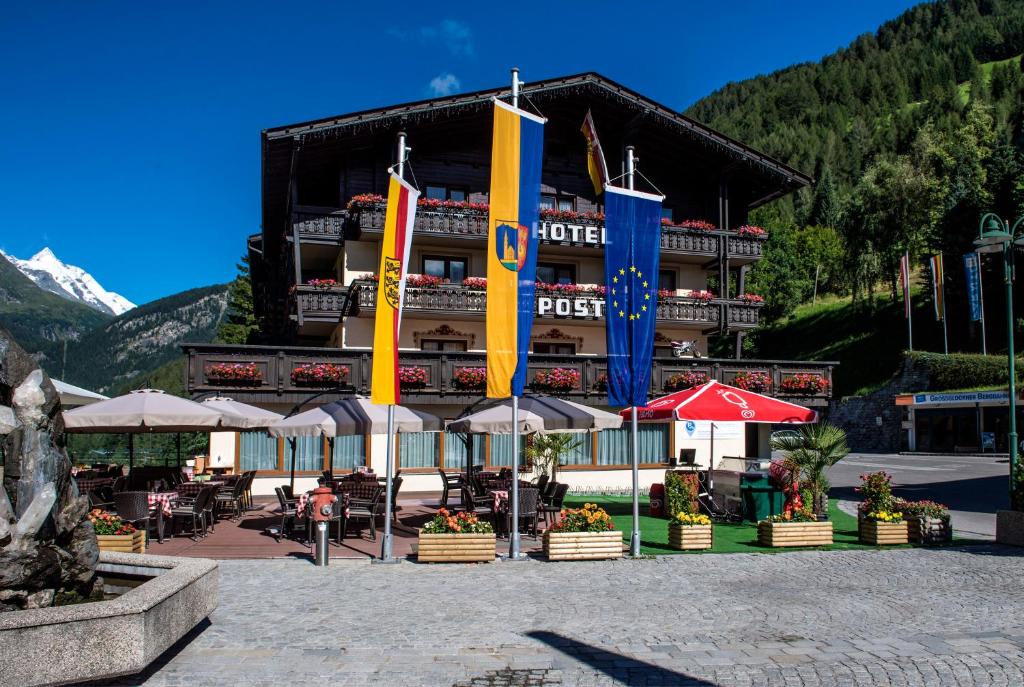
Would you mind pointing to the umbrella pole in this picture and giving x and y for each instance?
(292, 482)
(634, 541)
(330, 457)
(178, 447)
(131, 452)
(711, 467)
(513, 537)
(386, 554)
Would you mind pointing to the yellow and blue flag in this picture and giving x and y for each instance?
(516, 158)
(631, 254)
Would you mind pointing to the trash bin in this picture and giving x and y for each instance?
(657, 495)
(760, 499)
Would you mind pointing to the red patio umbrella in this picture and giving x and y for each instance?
(716, 402)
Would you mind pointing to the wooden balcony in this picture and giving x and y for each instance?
(464, 301)
(275, 380)
(319, 225)
(468, 225)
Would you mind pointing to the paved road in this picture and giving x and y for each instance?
(909, 617)
(973, 487)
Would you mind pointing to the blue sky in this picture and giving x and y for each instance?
(131, 130)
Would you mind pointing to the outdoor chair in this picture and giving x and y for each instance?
(250, 477)
(554, 507)
(361, 508)
(548, 492)
(97, 500)
(193, 510)
(448, 483)
(528, 508)
(288, 512)
(288, 494)
(542, 484)
(396, 484)
(210, 508)
(480, 507)
(119, 484)
(505, 473)
(133, 507)
(232, 498)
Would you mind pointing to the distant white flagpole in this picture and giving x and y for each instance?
(634, 539)
(513, 536)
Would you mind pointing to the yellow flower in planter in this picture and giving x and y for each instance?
(691, 519)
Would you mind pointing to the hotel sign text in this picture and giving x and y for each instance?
(570, 308)
(571, 234)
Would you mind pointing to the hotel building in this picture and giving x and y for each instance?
(313, 272)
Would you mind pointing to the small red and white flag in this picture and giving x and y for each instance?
(938, 292)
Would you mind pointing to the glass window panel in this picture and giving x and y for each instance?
(454, 346)
(667, 279)
(566, 204)
(457, 194)
(309, 454)
(501, 450)
(457, 271)
(666, 213)
(580, 454)
(349, 452)
(257, 451)
(418, 449)
(455, 450)
(547, 202)
(433, 267)
(613, 445)
(437, 192)
(546, 274)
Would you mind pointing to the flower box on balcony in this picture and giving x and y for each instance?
(689, 537)
(235, 373)
(559, 379)
(123, 543)
(320, 374)
(876, 533)
(785, 534)
(456, 548)
(804, 384)
(582, 546)
(685, 380)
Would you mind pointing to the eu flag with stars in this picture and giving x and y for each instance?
(631, 254)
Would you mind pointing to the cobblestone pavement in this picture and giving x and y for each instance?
(908, 617)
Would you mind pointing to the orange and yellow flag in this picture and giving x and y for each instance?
(596, 167)
(394, 260)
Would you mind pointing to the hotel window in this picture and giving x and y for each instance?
(451, 269)
(501, 450)
(582, 451)
(566, 204)
(667, 280)
(547, 202)
(447, 193)
(309, 454)
(556, 273)
(443, 345)
(554, 347)
(456, 450)
(666, 213)
(257, 451)
(613, 445)
(349, 452)
(418, 450)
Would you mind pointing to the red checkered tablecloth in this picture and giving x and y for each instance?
(164, 500)
(87, 485)
(192, 488)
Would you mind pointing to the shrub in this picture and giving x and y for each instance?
(959, 370)
(446, 523)
(590, 518)
(680, 493)
(876, 489)
(921, 509)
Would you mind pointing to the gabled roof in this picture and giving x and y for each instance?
(325, 128)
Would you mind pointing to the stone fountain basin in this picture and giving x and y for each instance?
(104, 639)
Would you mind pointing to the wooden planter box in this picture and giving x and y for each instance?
(883, 533)
(929, 531)
(778, 534)
(689, 538)
(456, 548)
(123, 543)
(582, 546)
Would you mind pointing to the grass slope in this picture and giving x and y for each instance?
(728, 538)
(40, 320)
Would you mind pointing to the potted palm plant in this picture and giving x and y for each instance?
(546, 451)
(808, 454)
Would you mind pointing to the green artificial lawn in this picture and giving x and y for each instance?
(728, 538)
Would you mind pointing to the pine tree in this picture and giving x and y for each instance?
(240, 323)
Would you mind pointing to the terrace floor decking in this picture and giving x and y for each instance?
(247, 538)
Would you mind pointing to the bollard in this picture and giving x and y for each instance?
(322, 544)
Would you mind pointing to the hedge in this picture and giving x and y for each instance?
(963, 370)
(680, 493)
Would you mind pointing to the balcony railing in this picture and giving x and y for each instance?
(473, 301)
(319, 225)
(275, 380)
(580, 233)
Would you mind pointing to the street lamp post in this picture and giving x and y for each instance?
(995, 236)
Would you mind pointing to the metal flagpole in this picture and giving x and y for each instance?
(981, 302)
(513, 537)
(942, 288)
(634, 539)
(907, 305)
(386, 546)
(292, 441)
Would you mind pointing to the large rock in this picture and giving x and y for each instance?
(46, 542)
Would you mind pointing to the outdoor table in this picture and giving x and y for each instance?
(500, 500)
(163, 502)
(192, 488)
(87, 485)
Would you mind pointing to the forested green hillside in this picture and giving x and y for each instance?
(912, 132)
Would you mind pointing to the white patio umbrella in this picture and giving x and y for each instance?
(540, 414)
(240, 416)
(73, 396)
(142, 411)
(348, 417)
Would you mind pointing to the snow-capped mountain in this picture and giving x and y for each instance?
(68, 281)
